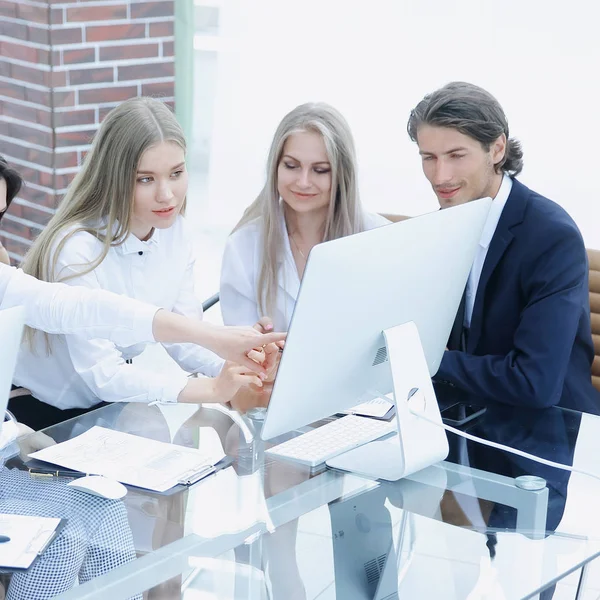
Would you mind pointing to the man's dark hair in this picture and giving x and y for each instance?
(13, 182)
(472, 111)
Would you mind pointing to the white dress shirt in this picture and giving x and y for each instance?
(79, 373)
(484, 243)
(59, 308)
(240, 270)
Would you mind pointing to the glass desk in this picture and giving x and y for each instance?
(465, 528)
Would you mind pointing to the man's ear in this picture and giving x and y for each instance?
(498, 149)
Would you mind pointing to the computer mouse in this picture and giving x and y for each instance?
(99, 486)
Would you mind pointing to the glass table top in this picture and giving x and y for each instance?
(466, 526)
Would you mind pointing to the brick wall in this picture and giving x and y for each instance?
(63, 66)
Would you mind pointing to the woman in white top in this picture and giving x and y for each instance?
(120, 228)
(310, 196)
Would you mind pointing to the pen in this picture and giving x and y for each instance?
(42, 472)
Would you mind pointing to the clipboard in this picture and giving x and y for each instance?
(40, 469)
(26, 555)
(225, 462)
(131, 459)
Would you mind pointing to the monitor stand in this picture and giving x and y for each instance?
(417, 443)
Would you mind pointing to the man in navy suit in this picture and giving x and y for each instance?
(523, 335)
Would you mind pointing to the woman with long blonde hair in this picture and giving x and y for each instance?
(58, 308)
(120, 228)
(310, 196)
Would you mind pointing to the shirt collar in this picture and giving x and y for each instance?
(133, 245)
(495, 212)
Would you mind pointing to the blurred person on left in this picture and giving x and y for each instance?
(95, 538)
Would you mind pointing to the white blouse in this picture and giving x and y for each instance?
(79, 373)
(240, 270)
(59, 308)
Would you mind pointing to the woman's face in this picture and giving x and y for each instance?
(304, 173)
(161, 185)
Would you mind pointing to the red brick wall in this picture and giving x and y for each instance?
(63, 66)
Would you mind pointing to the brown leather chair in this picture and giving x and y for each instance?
(594, 261)
(395, 218)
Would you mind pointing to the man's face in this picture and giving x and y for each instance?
(457, 166)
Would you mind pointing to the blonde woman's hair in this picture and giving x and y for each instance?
(345, 214)
(101, 194)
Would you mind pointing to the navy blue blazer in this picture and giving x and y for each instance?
(530, 341)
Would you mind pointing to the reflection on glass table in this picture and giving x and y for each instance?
(274, 528)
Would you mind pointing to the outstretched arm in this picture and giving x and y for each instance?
(95, 313)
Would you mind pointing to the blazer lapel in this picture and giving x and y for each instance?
(512, 215)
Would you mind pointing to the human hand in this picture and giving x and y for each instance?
(246, 346)
(272, 352)
(251, 396)
(231, 378)
(30, 441)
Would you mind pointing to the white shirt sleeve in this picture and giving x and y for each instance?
(99, 362)
(191, 357)
(59, 308)
(237, 295)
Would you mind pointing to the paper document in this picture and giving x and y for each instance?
(29, 537)
(131, 459)
(378, 408)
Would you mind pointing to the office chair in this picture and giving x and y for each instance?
(210, 302)
(394, 218)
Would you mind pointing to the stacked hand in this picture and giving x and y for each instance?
(253, 347)
(252, 355)
(253, 395)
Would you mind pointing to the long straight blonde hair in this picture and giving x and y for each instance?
(345, 215)
(99, 200)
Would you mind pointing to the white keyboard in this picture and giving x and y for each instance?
(315, 447)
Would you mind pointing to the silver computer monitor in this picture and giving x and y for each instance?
(355, 287)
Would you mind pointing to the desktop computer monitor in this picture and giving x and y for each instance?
(354, 288)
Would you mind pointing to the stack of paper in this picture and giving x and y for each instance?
(378, 408)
